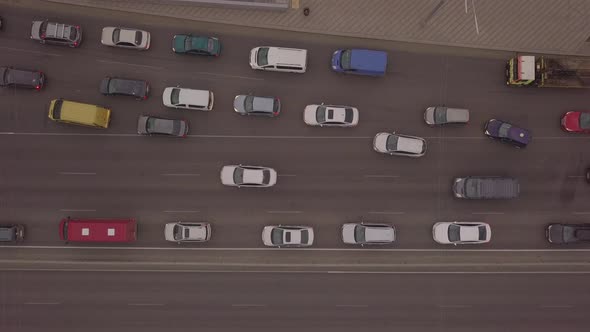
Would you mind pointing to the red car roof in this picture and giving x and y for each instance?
(98, 230)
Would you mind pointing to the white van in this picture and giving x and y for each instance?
(289, 60)
(190, 99)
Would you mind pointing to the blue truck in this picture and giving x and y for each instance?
(360, 62)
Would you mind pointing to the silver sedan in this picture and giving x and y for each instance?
(287, 236)
(248, 176)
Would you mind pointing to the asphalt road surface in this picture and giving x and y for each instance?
(99, 301)
(326, 176)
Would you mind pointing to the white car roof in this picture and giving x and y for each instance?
(469, 233)
(253, 176)
(378, 234)
(295, 236)
(410, 144)
(287, 56)
(127, 35)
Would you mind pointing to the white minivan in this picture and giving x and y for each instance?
(289, 60)
(190, 99)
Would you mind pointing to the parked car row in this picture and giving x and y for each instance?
(361, 233)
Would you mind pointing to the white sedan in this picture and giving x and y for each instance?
(287, 236)
(187, 232)
(399, 145)
(461, 232)
(248, 176)
(125, 38)
(331, 115)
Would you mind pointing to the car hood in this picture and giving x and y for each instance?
(142, 124)
(429, 116)
(440, 232)
(107, 35)
(169, 232)
(227, 175)
(348, 233)
(571, 121)
(239, 104)
(178, 43)
(380, 142)
(309, 114)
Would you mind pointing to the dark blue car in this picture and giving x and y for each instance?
(360, 62)
(508, 133)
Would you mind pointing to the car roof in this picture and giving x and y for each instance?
(23, 76)
(515, 133)
(469, 232)
(7, 233)
(192, 96)
(196, 231)
(378, 233)
(457, 115)
(263, 104)
(286, 56)
(253, 175)
(127, 35)
(410, 144)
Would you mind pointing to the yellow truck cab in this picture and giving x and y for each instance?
(72, 112)
(548, 71)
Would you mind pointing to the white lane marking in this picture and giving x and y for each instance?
(557, 306)
(352, 305)
(381, 176)
(180, 174)
(488, 212)
(285, 212)
(41, 303)
(77, 210)
(146, 304)
(576, 176)
(181, 211)
(454, 306)
(550, 272)
(386, 212)
(248, 305)
(556, 250)
(128, 64)
(581, 212)
(287, 175)
(27, 51)
(228, 76)
(77, 173)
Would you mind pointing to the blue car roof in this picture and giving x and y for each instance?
(370, 60)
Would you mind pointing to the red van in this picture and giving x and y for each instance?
(98, 230)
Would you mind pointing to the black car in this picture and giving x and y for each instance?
(111, 86)
(12, 233)
(568, 233)
(508, 133)
(21, 78)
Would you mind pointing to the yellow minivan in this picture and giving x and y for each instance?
(79, 114)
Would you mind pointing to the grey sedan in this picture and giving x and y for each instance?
(367, 233)
(152, 125)
(254, 105)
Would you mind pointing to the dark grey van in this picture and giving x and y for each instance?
(12, 233)
(486, 187)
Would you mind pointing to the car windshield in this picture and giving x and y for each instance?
(177, 232)
(391, 144)
(304, 236)
(504, 130)
(585, 120)
(138, 37)
(174, 96)
(348, 115)
(359, 234)
(249, 103)
(454, 233)
(211, 44)
(440, 115)
(151, 124)
(345, 59)
(320, 114)
(116, 35)
(262, 56)
(276, 236)
(482, 233)
(266, 176)
(239, 175)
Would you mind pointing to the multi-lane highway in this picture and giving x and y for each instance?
(327, 176)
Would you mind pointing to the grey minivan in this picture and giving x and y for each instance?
(255, 105)
(486, 187)
(441, 115)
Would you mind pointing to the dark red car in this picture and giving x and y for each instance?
(576, 121)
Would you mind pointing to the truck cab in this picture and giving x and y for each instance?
(520, 70)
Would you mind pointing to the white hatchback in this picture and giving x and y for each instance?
(399, 145)
(331, 115)
(248, 176)
(187, 232)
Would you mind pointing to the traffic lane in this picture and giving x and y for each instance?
(415, 302)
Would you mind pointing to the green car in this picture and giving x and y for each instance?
(187, 44)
